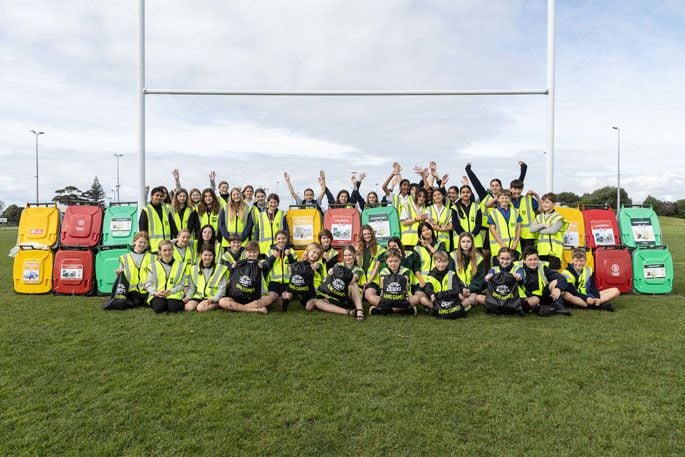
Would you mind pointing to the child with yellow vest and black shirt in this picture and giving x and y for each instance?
(542, 286)
(581, 290)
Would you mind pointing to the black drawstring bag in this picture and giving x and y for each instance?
(117, 299)
(301, 278)
(336, 283)
(502, 296)
(245, 281)
(394, 291)
(447, 305)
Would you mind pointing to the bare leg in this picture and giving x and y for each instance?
(372, 297)
(609, 294)
(323, 305)
(571, 299)
(191, 305)
(206, 305)
(253, 307)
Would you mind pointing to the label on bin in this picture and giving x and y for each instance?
(31, 272)
(303, 229)
(572, 235)
(643, 232)
(603, 233)
(342, 231)
(654, 271)
(71, 271)
(36, 231)
(120, 226)
(380, 224)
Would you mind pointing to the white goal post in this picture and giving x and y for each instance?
(142, 91)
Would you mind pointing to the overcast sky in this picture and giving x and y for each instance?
(68, 68)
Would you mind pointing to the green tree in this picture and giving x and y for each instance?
(2, 206)
(606, 196)
(568, 197)
(70, 195)
(13, 214)
(680, 208)
(657, 205)
(96, 194)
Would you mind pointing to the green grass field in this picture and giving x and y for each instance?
(75, 380)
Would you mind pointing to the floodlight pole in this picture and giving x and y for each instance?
(549, 162)
(618, 169)
(118, 156)
(142, 198)
(37, 135)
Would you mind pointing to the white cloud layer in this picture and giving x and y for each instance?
(69, 68)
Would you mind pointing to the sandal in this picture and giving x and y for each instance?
(358, 314)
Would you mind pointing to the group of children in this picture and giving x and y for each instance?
(232, 251)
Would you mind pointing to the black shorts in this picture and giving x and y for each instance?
(278, 287)
(373, 286)
(303, 298)
(244, 300)
(341, 302)
(417, 288)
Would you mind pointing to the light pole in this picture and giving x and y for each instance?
(618, 168)
(277, 183)
(117, 186)
(37, 135)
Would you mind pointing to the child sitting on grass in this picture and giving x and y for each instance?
(541, 286)
(395, 294)
(581, 290)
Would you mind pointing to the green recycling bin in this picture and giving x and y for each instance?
(120, 224)
(639, 227)
(652, 270)
(384, 221)
(106, 262)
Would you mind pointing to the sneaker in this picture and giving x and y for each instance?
(544, 310)
(561, 309)
(606, 307)
(375, 311)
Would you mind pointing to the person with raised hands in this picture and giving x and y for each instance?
(308, 199)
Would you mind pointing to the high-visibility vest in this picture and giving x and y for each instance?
(485, 211)
(158, 229)
(527, 214)
(443, 218)
(506, 229)
(425, 258)
(181, 222)
(209, 219)
(188, 258)
(410, 233)
(542, 281)
(229, 258)
(552, 244)
(464, 272)
(167, 282)
(580, 281)
(207, 287)
(136, 276)
(236, 224)
(445, 285)
(468, 222)
(368, 269)
(266, 229)
(280, 271)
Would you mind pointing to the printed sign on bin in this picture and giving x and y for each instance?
(120, 226)
(572, 235)
(603, 233)
(655, 271)
(71, 271)
(643, 231)
(381, 225)
(303, 229)
(31, 272)
(341, 228)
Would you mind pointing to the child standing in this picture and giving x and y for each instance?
(505, 225)
(550, 227)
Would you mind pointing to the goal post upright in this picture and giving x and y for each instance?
(143, 91)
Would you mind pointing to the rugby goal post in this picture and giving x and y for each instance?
(143, 91)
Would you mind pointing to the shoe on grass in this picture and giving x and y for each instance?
(606, 306)
(544, 310)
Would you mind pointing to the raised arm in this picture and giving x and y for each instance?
(480, 190)
(286, 176)
(177, 178)
(212, 180)
(396, 171)
(524, 169)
